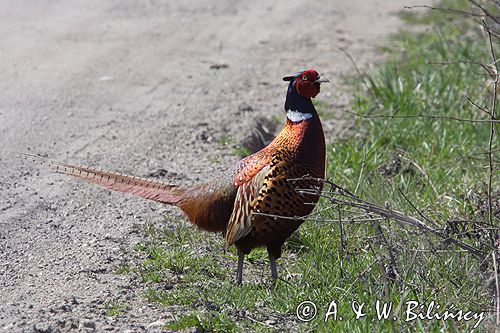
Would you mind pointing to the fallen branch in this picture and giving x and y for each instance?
(350, 200)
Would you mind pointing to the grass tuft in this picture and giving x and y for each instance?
(114, 309)
(213, 322)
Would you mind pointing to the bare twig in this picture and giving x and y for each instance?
(432, 116)
(452, 10)
(492, 127)
(342, 236)
(280, 217)
(416, 209)
(389, 271)
(383, 273)
(485, 11)
(386, 212)
(343, 243)
(453, 62)
(389, 213)
(393, 273)
(497, 295)
(479, 107)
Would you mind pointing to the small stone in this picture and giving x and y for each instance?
(219, 66)
(244, 107)
(270, 322)
(89, 324)
(74, 324)
(156, 324)
(43, 328)
(65, 308)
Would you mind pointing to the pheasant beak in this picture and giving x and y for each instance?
(322, 80)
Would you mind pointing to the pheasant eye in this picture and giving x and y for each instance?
(304, 77)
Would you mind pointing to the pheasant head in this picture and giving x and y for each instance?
(303, 86)
(306, 83)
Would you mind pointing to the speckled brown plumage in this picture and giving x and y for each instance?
(298, 151)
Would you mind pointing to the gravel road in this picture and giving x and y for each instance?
(150, 88)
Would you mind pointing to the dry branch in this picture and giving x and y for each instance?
(432, 116)
(492, 113)
(340, 196)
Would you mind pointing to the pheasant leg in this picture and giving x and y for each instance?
(274, 271)
(239, 270)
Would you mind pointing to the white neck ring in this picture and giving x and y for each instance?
(297, 116)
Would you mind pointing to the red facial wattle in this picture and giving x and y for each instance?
(306, 85)
(307, 88)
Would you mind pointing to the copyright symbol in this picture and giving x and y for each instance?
(306, 311)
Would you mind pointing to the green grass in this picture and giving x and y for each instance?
(213, 323)
(341, 255)
(241, 151)
(114, 309)
(225, 140)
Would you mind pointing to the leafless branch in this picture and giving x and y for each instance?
(383, 273)
(485, 11)
(492, 121)
(497, 295)
(492, 127)
(479, 107)
(348, 199)
(453, 62)
(451, 10)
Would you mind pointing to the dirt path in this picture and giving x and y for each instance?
(127, 85)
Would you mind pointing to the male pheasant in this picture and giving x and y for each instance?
(254, 202)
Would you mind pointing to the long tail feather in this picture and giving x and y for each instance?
(143, 187)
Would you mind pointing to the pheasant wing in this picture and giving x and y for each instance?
(240, 223)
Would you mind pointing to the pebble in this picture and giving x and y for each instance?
(89, 324)
(270, 322)
(43, 328)
(155, 324)
(244, 107)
